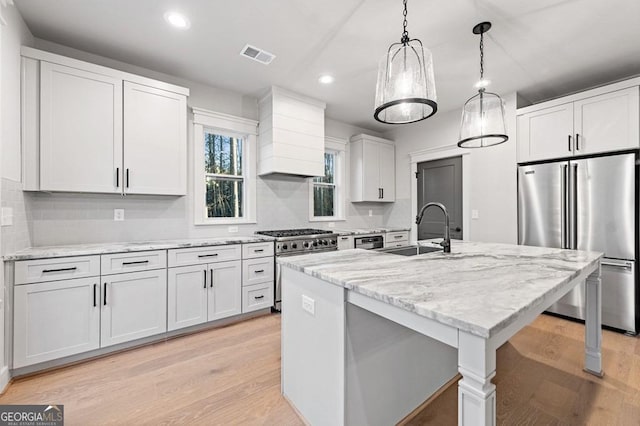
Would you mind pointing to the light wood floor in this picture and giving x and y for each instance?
(231, 375)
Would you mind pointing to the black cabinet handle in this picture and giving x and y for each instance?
(138, 262)
(117, 177)
(382, 192)
(94, 294)
(105, 295)
(258, 297)
(204, 280)
(46, 271)
(569, 142)
(258, 250)
(577, 141)
(259, 271)
(211, 282)
(208, 255)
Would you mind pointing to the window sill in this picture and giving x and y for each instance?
(327, 219)
(226, 222)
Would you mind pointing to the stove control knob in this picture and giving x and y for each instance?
(284, 247)
(294, 245)
(315, 243)
(325, 242)
(333, 242)
(306, 244)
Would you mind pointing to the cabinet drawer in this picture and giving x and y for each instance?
(253, 250)
(397, 236)
(133, 262)
(197, 255)
(256, 271)
(257, 296)
(61, 268)
(397, 244)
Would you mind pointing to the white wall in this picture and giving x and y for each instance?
(282, 201)
(493, 174)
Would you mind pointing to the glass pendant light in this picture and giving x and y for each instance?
(406, 91)
(483, 115)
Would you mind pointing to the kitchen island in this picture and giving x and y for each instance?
(367, 337)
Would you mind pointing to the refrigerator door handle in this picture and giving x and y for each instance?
(574, 207)
(563, 206)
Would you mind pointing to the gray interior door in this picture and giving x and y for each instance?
(440, 181)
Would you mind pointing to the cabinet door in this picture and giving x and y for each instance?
(345, 242)
(134, 305)
(187, 296)
(371, 172)
(225, 289)
(546, 134)
(80, 130)
(155, 141)
(608, 122)
(55, 319)
(387, 172)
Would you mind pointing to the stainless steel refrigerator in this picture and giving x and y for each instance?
(587, 204)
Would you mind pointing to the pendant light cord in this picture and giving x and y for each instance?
(405, 33)
(481, 56)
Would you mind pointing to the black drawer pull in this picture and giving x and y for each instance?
(258, 297)
(208, 255)
(45, 271)
(258, 250)
(344, 238)
(259, 271)
(137, 262)
(398, 236)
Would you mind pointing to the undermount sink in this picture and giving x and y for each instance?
(409, 250)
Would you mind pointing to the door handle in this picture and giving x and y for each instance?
(382, 189)
(94, 295)
(569, 142)
(577, 141)
(127, 178)
(204, 279)
(624, 265)
(564, 201)
(574, 207)
(117, 177)
(104, 302)
(211, 282)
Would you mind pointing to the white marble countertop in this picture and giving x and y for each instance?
(478, 287)
(106, 248)
(367, 231)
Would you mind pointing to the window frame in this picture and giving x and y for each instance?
(227, 125)
(338, 147)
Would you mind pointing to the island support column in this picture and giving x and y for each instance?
(593, 325)
(476, 393)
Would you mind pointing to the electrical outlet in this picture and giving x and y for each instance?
(7, 216)
(118, 214)
(309, 305)
(475, 214)
(233, 229)
(370, 213)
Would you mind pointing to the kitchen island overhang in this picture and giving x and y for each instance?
(367, 337)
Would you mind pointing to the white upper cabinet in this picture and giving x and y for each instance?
(80, 130)
(155, 135)
(373, 171)
(600, 120)
(88, 128)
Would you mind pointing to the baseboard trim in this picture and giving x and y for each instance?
(429, 400)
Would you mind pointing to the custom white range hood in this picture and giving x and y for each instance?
(291, 134)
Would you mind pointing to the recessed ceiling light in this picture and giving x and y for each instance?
(178, 20)
(326, 79)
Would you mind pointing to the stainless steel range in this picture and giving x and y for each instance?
(291, 242)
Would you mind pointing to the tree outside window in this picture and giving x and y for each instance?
(224, 179)
(324, 188)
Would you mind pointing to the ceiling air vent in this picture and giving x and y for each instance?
(256, 54)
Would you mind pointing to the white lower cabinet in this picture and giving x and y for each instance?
(134, 305)
(55, 319)
(345, 242)
(201, 293)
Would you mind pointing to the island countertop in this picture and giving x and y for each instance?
(478, 287)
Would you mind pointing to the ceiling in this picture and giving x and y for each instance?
(542, 49)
